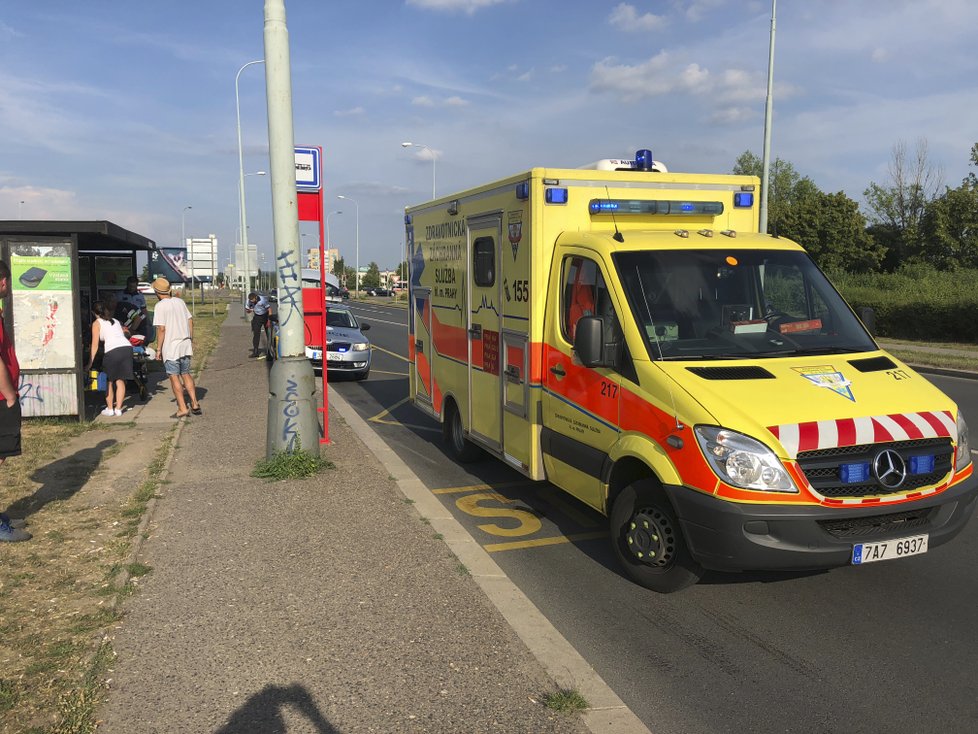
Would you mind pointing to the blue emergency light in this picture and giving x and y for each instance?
(643, 160)
(653, 206)
(556, 196)
(523, 190)
(854, 473)
(921, 464)
(744, 200)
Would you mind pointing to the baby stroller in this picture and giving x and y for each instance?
(140, 361)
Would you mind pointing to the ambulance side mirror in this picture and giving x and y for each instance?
(868, 317)
(588, 341)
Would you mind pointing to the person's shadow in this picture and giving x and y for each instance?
(261, 713)
(61, 479)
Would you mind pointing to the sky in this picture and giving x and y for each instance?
(126, 110)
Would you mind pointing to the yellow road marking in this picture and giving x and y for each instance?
(384, 372)
(540, 542)
(479, 487)
(393, 354)
(381, 417)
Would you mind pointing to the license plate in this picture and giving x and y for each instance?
(887, 550)
(317, 355)
(334, 357)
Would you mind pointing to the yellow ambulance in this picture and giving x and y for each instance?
(627, 334)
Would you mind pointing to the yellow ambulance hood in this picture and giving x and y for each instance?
(818, 402)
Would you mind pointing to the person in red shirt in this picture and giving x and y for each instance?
(10, 530)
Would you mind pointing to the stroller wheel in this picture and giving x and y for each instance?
(143, 392)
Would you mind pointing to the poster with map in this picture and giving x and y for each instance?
(43, 305)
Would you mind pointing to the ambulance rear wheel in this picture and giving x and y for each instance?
(648, 540)
(461, 449)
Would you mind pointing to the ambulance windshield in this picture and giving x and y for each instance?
(736, 304)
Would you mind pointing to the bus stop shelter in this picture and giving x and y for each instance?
(58, 268)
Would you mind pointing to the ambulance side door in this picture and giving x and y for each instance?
(580, 404)
(484, 290)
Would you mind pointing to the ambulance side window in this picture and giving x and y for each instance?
(484, 262)
(585, 294)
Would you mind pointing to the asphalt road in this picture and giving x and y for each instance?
(889, 647)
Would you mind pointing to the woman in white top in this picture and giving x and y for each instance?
(117, 360)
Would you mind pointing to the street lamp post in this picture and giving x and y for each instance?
(183, 241)
(328, 242)
(241, 178)
(356, 278)
(432, 153)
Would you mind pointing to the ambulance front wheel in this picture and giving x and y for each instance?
(648, 540)
(459, 446)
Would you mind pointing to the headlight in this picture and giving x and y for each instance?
(742, 461)
(964, 444)
(361, 347)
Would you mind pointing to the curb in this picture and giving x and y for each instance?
(122, 578)
(607, 713)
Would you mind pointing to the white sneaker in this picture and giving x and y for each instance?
(108, 411)
(118, 411)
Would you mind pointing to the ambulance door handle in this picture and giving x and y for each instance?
(558, 370)
(419, 345)
(476, 331)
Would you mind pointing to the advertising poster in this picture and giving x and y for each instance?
(170, 263)
(43, 305)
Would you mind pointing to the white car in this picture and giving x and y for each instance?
(145, 288)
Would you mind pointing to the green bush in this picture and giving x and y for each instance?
(917, 302)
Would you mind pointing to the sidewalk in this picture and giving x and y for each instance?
(326, 605)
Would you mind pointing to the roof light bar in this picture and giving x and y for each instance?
(650, 206)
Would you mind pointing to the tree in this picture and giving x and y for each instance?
(897, 208)
(339, 268)
(829, 226)
(786, 185)
(371, 279)
(832, 229)
(950, 228)
(349, 278)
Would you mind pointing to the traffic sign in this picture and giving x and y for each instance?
(308, 167)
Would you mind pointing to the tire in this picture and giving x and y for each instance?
(143, 392)
(460, 448)
(648, 540)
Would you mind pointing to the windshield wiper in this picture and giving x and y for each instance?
(829, 350)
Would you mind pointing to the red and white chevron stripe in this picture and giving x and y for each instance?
(813, 435)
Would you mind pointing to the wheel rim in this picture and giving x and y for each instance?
(650, 538)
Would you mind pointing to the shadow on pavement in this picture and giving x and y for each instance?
(61, 479)
(262, 712)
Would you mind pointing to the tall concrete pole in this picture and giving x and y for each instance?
(768, 107)
(293, 423)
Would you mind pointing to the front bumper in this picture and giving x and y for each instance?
(729, 536)
(340, 361)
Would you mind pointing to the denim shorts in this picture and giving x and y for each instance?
(179, 366)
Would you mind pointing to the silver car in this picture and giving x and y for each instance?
(347, 349)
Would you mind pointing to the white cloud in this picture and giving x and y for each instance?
(558, 68)
(699, 9)
(455, 6)
(626, 18)
(426, 101)
(352, 112)
(879, 55)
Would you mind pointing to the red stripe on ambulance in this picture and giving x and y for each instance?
(815, 435)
